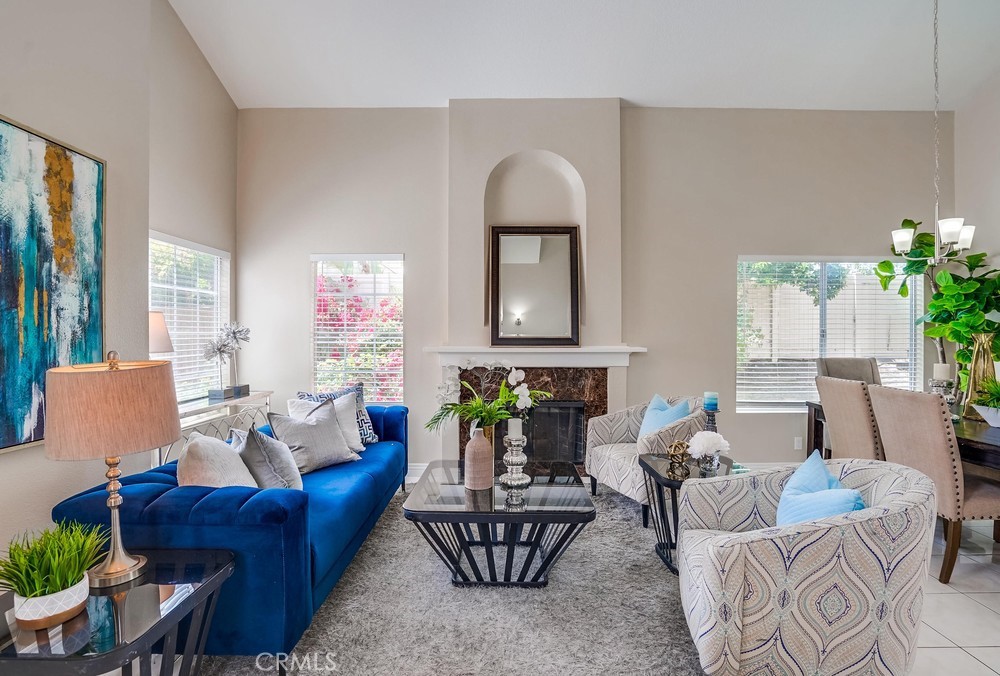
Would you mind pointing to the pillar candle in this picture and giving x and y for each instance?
(711, 401)
(942, 371)
(514, 428)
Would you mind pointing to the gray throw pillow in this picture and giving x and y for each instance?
(346, 409)
(207, 461)
(315, 442)
(270, 461)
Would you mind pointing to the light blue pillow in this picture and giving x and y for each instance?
(659, 414)
(813, 493)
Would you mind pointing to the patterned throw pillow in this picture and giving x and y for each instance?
(368, 435)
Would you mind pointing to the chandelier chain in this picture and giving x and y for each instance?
(937, 131)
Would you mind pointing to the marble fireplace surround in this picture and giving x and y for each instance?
(593, 375)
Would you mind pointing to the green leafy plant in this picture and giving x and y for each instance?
(960, 302)
(509, 401)
(989, 393)
(52, 561)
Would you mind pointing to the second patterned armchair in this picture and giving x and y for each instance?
(614, 446)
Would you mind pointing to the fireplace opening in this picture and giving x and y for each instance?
(555, 431)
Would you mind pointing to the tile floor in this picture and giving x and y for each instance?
(961, 620)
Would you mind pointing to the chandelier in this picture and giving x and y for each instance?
(952, 235)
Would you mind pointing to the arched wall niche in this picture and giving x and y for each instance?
(535, 187)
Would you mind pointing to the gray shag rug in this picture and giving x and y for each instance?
(611, 607)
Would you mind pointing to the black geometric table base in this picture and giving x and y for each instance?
(504, 554)
(656, 494)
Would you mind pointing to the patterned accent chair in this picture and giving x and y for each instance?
(834, 596)
(614, 446)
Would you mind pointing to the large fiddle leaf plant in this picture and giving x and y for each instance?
(961, 301)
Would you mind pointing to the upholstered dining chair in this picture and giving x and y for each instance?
(916, 431)
(849, 418)
(864, 369)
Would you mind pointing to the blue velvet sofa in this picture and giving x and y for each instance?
(291, 546)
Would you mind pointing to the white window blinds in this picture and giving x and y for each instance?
(358, 325)
(790, 312)
(190, 285)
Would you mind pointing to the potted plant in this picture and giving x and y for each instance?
(513, 395)
(987, 403)
(705, 448)
(48, 573)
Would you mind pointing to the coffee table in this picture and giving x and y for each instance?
(656, 472)
(167, 611)
(484, 540)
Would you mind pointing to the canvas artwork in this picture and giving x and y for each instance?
(51, 272)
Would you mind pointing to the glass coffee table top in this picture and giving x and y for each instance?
(555, 487)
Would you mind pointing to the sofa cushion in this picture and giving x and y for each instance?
(341, 497)
(270, 461)
(383, 462)
(365, 426)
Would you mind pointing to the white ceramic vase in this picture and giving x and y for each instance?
(42, 612)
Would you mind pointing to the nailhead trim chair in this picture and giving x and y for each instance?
(850, 419)
(916, 431)
(614, 446)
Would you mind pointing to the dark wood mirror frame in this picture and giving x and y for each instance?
(496, 231)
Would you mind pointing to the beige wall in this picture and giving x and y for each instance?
(78, 72)
(192, 139)
(346, 181)
(172, 168)
(700, 187)
(586, 134)
(977, 164)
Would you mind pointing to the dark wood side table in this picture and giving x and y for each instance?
(655, 469)
(122, 625)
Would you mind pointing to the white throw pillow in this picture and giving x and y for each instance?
(315, 442)
(346, 408)
(207, 461)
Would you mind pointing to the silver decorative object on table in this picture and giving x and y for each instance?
(514, 481)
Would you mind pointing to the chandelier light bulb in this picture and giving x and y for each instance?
(950, 229)
(965, 236)
(902, 240)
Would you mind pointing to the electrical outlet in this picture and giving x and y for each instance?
(798, 443)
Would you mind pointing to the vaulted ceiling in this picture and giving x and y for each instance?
(807, 54)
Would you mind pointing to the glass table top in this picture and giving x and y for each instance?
(555, 487)
(660, 465)
(115, 616)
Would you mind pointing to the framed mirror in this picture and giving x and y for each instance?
(534, 285)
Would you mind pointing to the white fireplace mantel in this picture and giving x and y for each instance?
(604, 356)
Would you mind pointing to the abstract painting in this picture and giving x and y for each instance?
(51, 272)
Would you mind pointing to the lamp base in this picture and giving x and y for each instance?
(102, 574)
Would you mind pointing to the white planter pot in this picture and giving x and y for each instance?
(990, 415)
(42, 612)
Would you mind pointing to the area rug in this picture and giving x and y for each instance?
(611, 607)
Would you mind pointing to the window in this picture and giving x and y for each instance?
(790, 312)
(189, 283)
(358, 325)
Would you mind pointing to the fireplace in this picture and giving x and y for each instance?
(557, 427)
(555, 430)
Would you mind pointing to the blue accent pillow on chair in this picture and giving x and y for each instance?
(659, 414)
(813, 493)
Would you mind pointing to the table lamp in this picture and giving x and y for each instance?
(108, 410)
(159, 336)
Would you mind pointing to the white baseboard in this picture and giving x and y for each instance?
(414, 471)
